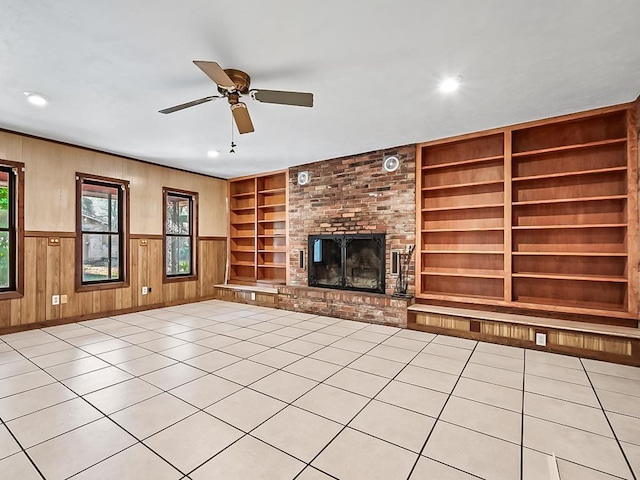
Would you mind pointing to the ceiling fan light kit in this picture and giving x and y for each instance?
(232, 85)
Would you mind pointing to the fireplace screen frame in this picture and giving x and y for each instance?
(343, 241)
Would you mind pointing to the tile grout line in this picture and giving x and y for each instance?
(290, 404)
(165, 391)
(80, 426)
(322, 346)
(140, 441)
(624, 455)
(287, 404)
(424, 445)
(22, 449)
(269, 347)
(345, 426)
(93, 421)
(162, 391)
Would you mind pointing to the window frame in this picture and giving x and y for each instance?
(123, 217)
(193, 226)
(16, 230)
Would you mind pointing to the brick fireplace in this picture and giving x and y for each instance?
(351, 196)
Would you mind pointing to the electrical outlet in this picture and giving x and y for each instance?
(64, 298)
(55, 300)
(541, 339)
(253, 295)
(145, 290)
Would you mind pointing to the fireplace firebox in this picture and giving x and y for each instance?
(347, 262)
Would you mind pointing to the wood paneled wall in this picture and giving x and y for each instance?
(50, 271)
(50, 171)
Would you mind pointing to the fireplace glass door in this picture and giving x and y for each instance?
(347, 262)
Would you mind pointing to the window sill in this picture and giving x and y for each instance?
(180, 278)
(10, 295)
(101, 286)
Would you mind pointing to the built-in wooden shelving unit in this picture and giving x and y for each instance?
(538, 216)
(258, 229)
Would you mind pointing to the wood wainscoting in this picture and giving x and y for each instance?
(50, 270)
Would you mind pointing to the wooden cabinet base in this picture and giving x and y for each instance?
(600, 342)
(252, 295)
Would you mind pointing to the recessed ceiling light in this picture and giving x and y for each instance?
(213, 153)
(450, 84)
(36, 99)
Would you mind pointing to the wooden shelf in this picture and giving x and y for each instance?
(272, 191)
(469, 198)
(574, 306)
(243, 195)
(270, 281)
(572, 200)
(461, 298)
(462, 185)
(465, 252)
(597, 171)
(266, 195)
(493, 301)
(240, 278)
(473, 229)
(573, 254)
(585, 278)
(242, 209)
(466, 207)
(462, 274)
(564, 148)
(563, 227)
(272, 206)
(464, 162)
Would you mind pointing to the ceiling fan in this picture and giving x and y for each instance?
(232, 84)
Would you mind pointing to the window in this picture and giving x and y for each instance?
(8, 229)
(101, 248)
(180, 219)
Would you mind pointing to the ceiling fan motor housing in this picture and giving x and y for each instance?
(240, 79)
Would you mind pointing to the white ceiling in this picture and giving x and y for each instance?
(373, 65)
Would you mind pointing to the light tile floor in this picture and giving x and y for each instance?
(230, 391)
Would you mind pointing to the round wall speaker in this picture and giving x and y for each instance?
(391, 164)
(303, 178)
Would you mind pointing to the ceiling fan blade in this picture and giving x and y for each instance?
(215, 73)
(189, 104)
(242, 118)
(283, 98)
